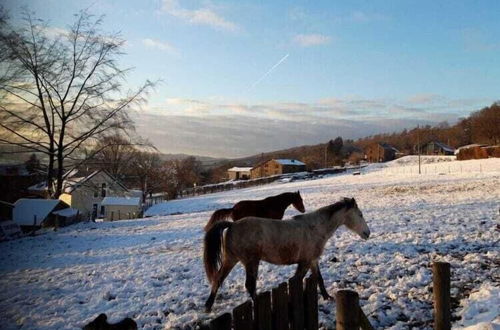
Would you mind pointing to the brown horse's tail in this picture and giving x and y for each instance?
(212, 251)
(217, 216)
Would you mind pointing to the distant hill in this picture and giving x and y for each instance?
(205, 160)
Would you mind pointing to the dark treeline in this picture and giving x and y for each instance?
(481, 126)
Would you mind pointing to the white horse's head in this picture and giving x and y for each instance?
(354, 219)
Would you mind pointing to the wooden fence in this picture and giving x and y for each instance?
(294, 306)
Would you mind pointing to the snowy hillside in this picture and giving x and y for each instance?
(151, 270)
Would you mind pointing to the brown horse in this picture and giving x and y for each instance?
(271, 207)
(300, 240)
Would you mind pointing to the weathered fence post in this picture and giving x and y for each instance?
(243, 316)
(296, 292)
(441, 291)
(262, 308)
(311, 303)
(347, 302)
(280, 307)
(222, 322)
(119, 215)
(112, 215)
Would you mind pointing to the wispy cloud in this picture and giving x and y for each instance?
(200, 16)
(308, 40)
(160, 45)
(364, 17)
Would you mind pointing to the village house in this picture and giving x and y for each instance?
(32, 213)
(239, 173)
(118, 208)
(87, 193)
(437, 148)
(380, 152)
(277, 167)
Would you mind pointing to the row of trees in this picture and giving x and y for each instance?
(143, 168)
(482, 126)
(62, 91)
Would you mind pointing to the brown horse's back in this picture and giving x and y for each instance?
(258, 209)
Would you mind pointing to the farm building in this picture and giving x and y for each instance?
(381, 152)
(239, 173)
(437, 148)
(34, 213)
(86, 193)
(477, 151)
(277, 167)
(117, 208)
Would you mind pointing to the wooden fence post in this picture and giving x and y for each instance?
(296, 311)
(311, 303)
(222, 322)
(262, 308)
(347, 302)
(112, 215)
(441, 291)
(243, 316)
(280, 307)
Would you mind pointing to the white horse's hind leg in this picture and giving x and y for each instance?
(227, 265)
(316, 272)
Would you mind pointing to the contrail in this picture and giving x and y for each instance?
(269, 71)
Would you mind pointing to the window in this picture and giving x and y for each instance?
(103, 190)
(102, 210)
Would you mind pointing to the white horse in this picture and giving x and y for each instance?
(300, 240)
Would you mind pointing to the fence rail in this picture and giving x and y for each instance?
(294, 306)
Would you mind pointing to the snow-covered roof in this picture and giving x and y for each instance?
(135, 201)
(25, 209)
(239, 169)
(289, 162)
(68, 212)
(473, 145)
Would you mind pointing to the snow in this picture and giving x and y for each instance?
(25, 209)
(289, 162)
(133, 201)
(482, 309)
(151, 269)
(67, 212)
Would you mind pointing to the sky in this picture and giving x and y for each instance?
(243, 77)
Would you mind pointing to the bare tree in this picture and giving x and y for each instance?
(62, 91)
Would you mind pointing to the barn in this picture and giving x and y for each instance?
(381, 152)
(277, 167)
(437, 148)
(239, 173)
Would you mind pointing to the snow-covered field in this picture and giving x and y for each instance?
(151, 269)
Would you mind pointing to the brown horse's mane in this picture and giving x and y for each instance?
(281, 196)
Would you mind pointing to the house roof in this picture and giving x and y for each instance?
(67, 212)
(388, 147)
(443, 146)
(289, 162)
(239, 169)
(25, 210)
(133, 201)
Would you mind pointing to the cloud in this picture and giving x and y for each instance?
(160, 45)
(201, 16)
(364, 17)
(308, 40)
(234, 129)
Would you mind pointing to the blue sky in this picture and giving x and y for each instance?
(244, 77)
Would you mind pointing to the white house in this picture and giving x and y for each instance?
(87, 193)
(238, 173)
(117, 208)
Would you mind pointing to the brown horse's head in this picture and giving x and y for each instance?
(297, 202)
